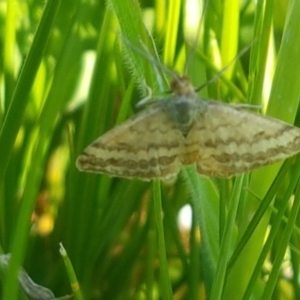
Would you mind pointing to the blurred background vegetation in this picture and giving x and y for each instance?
(67, 76)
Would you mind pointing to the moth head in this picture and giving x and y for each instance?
(182, 86)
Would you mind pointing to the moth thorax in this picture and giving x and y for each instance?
(182, 113)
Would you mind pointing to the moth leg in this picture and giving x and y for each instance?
(143, 102)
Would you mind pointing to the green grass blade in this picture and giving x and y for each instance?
(17, 106)
(226, 243)
(164, 272)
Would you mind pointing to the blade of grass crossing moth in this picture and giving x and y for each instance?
(204, 199)
(227, 242)
(194, 271)
(151, 253)
(164, 272)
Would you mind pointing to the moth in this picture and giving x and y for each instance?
(220, 139)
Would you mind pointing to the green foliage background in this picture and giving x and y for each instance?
(71, 70)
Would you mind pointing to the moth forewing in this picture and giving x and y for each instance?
(241, 140)
(146, 146)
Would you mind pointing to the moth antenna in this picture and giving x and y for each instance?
(222, 71)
